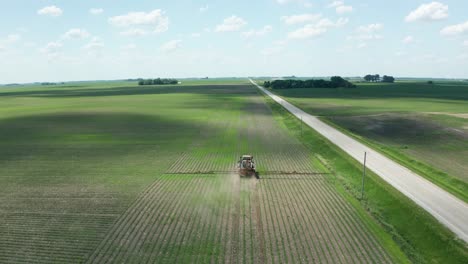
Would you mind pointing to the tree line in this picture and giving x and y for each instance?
(51, 83)
(376, 78)
(157, 81)
(334, 82)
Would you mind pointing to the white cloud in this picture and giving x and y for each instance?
(307, 31)
(465, 43)
(340, 7)
(96, 11)
(408, 40)
(232, 23)
(257, 33)
(52, 49)
(316, 29)
(336, 4)
(171, 46)
(50, 11)
(305, 3)
(367, 32)
(362, 45)
(154, 19)
(130, 46)
(76, 33)
(457, 29)
(344, 9)
(301, 18)
(428, 12)
(134, 32)
(94, 47)
(203, 8)
(400, 53)
(195, 35)
(12, 38)
(371, 28)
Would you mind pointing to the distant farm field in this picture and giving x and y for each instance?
(102, 173)
(422, 126)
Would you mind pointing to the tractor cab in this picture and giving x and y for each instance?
(246, 166)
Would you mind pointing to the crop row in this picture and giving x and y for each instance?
(307, 221)
(168, 221)
(189, 218)
(49, 238)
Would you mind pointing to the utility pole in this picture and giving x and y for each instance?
(363, 175)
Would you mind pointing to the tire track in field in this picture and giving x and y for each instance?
(235, 215)
(258, 225)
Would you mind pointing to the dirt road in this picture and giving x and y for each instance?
(449, 210)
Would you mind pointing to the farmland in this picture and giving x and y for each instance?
(118, 173)
(419, 125)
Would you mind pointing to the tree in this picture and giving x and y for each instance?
(335, 82)
(377, 78)
(368, 78)
(372, 77)
(388, 79)
(157, 81)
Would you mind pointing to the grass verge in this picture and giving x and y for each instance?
(416, 233)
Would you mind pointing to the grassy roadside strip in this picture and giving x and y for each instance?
(399, 224)
(447, 182)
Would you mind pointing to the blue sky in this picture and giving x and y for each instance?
(88, 40)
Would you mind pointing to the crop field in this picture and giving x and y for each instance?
(132, 174)
(422, 126)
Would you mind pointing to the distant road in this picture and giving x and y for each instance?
(449, 210)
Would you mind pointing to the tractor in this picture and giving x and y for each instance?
(246, 166)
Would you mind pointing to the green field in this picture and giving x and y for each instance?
(98, 173)
(422, 126)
